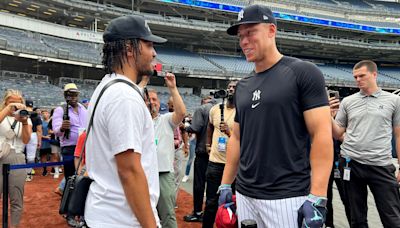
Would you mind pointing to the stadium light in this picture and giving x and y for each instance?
(31, 9)
(79, 16)
(47, 13)
(13, 4)
(35, 6)
(52, 10)
(21, 14)
(5, 11)
(77, 19)
(16, 1)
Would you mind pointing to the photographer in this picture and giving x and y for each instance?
(67, 121)
(218, 133)
(15, 132)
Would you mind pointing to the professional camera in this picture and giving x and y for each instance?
(21, 113)
(219, 94)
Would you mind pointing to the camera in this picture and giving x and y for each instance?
(21, 113)
(334, 94)
(187, 121)
(219, 94)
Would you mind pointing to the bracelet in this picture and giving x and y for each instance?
(23, 124)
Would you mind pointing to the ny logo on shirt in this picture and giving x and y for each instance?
(256, 95)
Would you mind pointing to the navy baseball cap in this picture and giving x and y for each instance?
(130, 27)
(254, 14)
(29, 103)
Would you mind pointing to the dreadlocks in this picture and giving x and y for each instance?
(114, 53)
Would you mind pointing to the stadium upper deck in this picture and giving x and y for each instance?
(198, 33)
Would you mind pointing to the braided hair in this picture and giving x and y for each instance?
(114, 53)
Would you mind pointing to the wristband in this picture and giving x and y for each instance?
(317, 200)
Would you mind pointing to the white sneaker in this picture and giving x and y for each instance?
(185, 179)
(56, 175)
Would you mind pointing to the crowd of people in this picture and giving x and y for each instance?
(270, 151)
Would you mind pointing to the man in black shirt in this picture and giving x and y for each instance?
(279, 106)
(199, 127)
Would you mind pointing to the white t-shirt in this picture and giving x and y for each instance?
(164, 129)
(121, 122)
(16, 141)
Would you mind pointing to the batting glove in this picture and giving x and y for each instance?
(225, 194)
(312, 213)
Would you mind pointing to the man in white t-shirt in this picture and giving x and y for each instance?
(120, 151)
(164, 126)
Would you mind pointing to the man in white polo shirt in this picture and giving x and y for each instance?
(120, 151)
(164, 126)
(367, 119)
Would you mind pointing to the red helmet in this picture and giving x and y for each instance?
(226, 215)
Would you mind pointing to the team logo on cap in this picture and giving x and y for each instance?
(265, 18)
(240, 15)
(147, 26)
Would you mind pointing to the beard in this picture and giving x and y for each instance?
(143, 70)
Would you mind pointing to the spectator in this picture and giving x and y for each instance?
(36, 138)
(15, 131)
(199, 126)
(367, 120)
(164, 126)
(181, 149)
(45, 149)
(55, 149)
(67, 129)
(121, 153)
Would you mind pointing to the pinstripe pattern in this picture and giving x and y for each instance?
(280, 213)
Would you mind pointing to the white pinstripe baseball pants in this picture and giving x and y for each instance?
(281, 213)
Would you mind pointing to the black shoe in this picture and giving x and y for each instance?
(195, 217)
(52, 171)
(44, 173)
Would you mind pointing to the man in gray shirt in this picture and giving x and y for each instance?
(367, 120)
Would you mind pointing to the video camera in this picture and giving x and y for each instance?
(21, 113)
(219, 94)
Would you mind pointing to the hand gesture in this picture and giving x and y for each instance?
(185, 150)
(12, 107)
(224, 128)
(22, 119)
(66, 125)
(334, 105)
(170, 80)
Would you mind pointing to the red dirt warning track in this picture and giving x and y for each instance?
(41, 205)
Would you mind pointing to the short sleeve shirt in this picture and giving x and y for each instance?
(369, 122)
(274, 160)
(15, 142)
(219, 156)
(122, 122)
(164, 139)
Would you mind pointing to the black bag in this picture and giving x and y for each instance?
(77, 186)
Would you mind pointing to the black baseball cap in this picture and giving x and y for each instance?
(29, 103)
(130, 27)
(252, 15)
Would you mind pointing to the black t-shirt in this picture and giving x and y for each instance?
(274, 161)
(199, 126)
(35, 121)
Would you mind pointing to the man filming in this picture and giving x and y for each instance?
(218, 132)
(67, 121)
